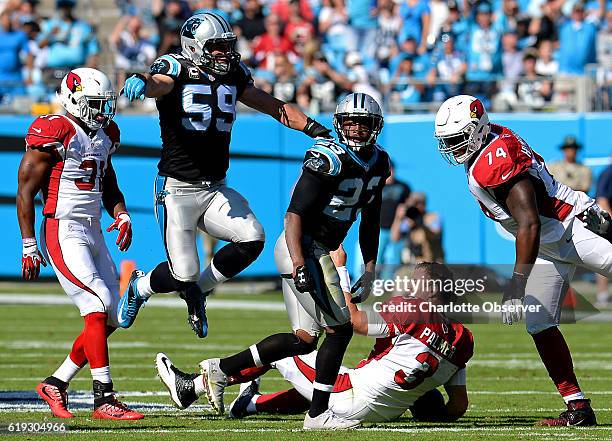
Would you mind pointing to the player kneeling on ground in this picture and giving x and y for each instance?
(338, 180)
(68, 158)
(414, 353)
(557, 229)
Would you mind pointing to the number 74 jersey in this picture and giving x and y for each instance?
(504, 159)
(74, 188)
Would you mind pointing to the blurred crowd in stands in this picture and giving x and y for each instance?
(403, 52)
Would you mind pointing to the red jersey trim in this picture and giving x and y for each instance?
(52, 192)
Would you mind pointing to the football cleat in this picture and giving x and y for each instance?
(215, 382)
(108, 407)
(238, 408)
(130, 303)
(329, 421)
(196, 309)
(578, 413)
(114, 409)
(180, 385)
(56, 397)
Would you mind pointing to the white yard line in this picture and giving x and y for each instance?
(154, 302)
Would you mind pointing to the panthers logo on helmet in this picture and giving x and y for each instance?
(190, 27)
(73, 81)
(476, 109)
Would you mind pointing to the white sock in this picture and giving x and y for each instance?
(67, 370)
(252, 406)
(101, 374)
(345, 279)
(210, 278)
(572, 397)
(199, 385)
(143, 286)
(602, 297)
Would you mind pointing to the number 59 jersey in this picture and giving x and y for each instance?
(196, 118)
(74, 188)
(346, 183)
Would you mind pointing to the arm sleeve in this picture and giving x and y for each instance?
(307, 192)
(458, 379)
(377, 326)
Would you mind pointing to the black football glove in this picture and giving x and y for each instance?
(362, 288)
(303, 279)
(316, 130)
(514, 293)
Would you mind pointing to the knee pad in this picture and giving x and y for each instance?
(304, 347)
(250, 250)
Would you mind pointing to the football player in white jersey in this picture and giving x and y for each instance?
(556, 230)
(414, 353)
(68, 159)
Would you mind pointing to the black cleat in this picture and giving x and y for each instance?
(196, 309)
(238, 408)
(180, 385)
(578, 413)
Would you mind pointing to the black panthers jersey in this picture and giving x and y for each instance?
(196, 118)
(336, 184)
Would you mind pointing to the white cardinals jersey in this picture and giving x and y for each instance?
(74, 188)
(423, 350)
(507, 156)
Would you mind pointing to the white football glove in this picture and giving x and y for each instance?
(597, 220)
(514, 293)
(31, 259)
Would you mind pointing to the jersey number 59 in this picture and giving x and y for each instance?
(202, 107)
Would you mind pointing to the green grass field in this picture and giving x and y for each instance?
(509, 388)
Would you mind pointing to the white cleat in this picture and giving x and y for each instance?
(215, 382)
(329, 421)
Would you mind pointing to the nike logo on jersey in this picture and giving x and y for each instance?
(506, 176)
(37, 130)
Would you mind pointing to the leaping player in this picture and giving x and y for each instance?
(68, 159)
(196, 96)
(556, 230)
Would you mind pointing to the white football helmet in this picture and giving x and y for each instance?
(462, 126)
(203, 32)
(362, 109)
(88, 94)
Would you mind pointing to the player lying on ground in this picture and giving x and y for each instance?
(513, 187)
(338, 180)
(414, 354)
(68, 159)
(196, 97)
(402, 371)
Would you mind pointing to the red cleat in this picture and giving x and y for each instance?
(56, 398)
(114, 409)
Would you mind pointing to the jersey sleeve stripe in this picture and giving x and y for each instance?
(336, 165)
(175, 66)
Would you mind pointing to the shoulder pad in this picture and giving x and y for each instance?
(323, 158)
(166, 65)
(50, 133)
(506, 157)
(114, 134)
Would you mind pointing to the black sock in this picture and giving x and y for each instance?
(270, 349)
(162, 280)
(329, 360)
(235, 257)
(54, 381)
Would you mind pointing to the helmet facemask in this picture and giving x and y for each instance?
(221, 63)
(357, 130)
(97, 111)
(459, 147)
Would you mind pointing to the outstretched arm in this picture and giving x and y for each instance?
(285, 113)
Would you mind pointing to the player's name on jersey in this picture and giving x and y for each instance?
(451, 307)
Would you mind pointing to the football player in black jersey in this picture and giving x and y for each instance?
(196, 96)
(338, 180)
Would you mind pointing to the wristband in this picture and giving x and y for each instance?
(345, 279)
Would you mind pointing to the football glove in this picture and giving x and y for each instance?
(514, 293)
(123, 223)
(303, 279)
(316, 130)
(598, 221)
(31, 259)
(362, 288)
(134, 87)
